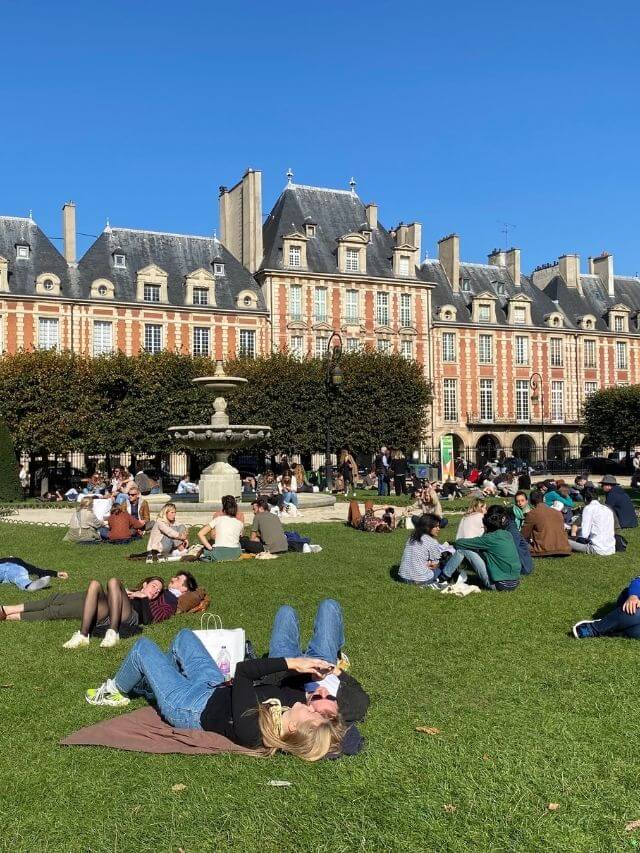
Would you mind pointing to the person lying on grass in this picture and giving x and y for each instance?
(191, 692)
(108, 614)
(622, 621)
(16, 571)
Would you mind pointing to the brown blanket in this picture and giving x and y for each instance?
(145, 731)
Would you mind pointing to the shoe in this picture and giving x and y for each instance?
(462, 577)
(106, 694)
(111, 639)
(584, 630)
(437, 585)
(39, 583)
(76, 641)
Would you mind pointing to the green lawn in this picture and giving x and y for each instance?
(528, 717)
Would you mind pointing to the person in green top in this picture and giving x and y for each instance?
(493, 556)
(521, 507)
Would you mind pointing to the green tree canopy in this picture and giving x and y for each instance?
(612, 417)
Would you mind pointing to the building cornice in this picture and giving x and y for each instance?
(6, 296)
(337, 276)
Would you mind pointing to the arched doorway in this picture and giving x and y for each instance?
(524, 448)
(487, 448)
(458, 445)
(557, 449)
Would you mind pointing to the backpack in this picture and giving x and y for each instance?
(621, 543)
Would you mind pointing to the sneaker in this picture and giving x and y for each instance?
(111, 638)
(584, 630)
(76, 641)
(439, 586)
(462, 578)
(106, 694)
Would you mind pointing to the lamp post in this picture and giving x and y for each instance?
(333, 380)
(537, 394)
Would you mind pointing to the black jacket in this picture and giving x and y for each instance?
(620, 502)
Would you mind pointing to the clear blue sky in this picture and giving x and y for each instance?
(460, 116)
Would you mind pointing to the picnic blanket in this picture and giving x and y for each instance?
(144, 730)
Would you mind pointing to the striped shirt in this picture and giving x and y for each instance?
(413, 566)
(164, 606)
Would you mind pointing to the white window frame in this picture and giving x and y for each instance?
(383, 345)
(352, 260)
(404, 265)
(320, 304)
(484, 312)
(485, 349)
(297, 346)
(201, 340)
(519, 311)
(295, 256)
(22, 253)
(201, 296)
(382, 308)
(405, 309)
(352, 306)
(521, 350)
(295, 301)
(320, 346)
(153, 338)
(48, 333)
(557, 401)
(622, 355)
(247, 343)
(120, 261)
(151, 290)
(406, 349)
(353, 344)
(102, 337)
(487, 400)
(218, 269)
(450, 400)
(618, 323)
(590, 388)
(448, 347)
(556, 354)
(523, 401)
(590, 358)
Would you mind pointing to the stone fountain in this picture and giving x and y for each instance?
(220, 478)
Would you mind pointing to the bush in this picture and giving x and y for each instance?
(10, 488)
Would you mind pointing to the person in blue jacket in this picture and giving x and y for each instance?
(623, 620)
(618, 501)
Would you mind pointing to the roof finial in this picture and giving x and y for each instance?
(352, 184)
(289, 176)
(107, 227)
(30, 214)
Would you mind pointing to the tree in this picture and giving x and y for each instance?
(10, 488)
(612, 418)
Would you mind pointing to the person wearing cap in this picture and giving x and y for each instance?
(619, 502)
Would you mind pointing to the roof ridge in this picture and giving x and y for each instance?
(18, 218)
(322, 189)
(160, 233)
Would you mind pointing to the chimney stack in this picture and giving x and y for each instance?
(513, 265)
(603, 266)
(569, 267)
(241, 219)
(414, 236)
(69, 232)
(590, 265)
(497, 258)
(372, 215)
(449, 257)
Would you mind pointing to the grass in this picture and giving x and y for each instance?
(528, 717)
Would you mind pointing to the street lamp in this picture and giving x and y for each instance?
(537, 394)
(333, 379)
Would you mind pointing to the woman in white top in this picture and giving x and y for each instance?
(221, 537)
(471, 524)
(166, 536)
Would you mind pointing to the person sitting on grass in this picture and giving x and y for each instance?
(136, 505)
(493, 556)
(123, 527)
(521, 507)
(622, 621)
(191, 692)
(267, 484)
(166, 536)
(509, 486)
(619, 501)
(267, 532)
(16, 571)
(543, 528)
(85, 527)
(472, 521)
(220, 538)
(597, 528)
(423, 554)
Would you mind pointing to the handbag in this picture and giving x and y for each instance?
(214, 639)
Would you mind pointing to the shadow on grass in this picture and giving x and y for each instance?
(604, 609)
(393, 573)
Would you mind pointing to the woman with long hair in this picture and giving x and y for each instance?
(399, 469)
(472, 521)
(166, 536)
(220, 538)
(348, 468)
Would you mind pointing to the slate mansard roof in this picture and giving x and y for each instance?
(595, 299)
(487, 278)
(178, 255)
(335, 213)
(43, 256)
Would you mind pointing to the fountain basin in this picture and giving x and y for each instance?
(220, 382)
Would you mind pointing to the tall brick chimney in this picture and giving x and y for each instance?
(603, 266)
(449, 256)
(569, 268)
(69, 232)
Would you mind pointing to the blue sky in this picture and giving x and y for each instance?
(460, 116)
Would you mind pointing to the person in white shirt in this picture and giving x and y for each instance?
(471, 523)
(221, 537)
(186, 487)
(597, 529)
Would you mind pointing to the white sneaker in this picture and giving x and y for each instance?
(111, 638)
(76, 641)
(462, 578)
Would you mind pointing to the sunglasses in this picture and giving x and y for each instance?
(319, 698)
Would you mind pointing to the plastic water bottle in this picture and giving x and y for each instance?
(224, 663)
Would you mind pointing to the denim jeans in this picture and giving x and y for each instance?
(474, 560)
(327, 638)
(383, 485)
(11, 572)
(290, 498)
(618, 622)
(180, 682)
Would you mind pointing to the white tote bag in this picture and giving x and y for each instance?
(213, 639)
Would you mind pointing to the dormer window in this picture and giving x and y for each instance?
(554, 320)
(618, 324)
(310, 230)
(403, 265)
(119, 261)
(352, 260)
(218, 269)
(247, 301)
(446, 312)
(519, 315)
(151, 293)
(48, 285)
(295, 256)
(484, 312)
(22, 252)
(102, 290)
(200, 296)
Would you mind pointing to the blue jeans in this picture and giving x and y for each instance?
(180, 682)
(474, 560)
(290, 498)
(327, 638)
(383, 485)
(618, 622)
(104, 533)
(14, 573)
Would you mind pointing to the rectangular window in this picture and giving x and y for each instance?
(448, 346)
(353, 344)
(201, 340)
(519, 315)
(383, 345)
(523, 397)
(557, 401)
(522, 349)
(321, 347)
(247, 343)
(405, 309)
(589, 353)
(485, 349)
(119, 261)
(352, 260)
(618, 324)
(450, 400)
(48, 333)
(382, 308)
(102, 337)
(151, 293)
(200, 296)
(621, 355)
(218, 269)
(484, 312)
(297, 346)
(403, 265)
(486, 399)
(152, 337)
(352, 306)
(590, 388)
(22, 253)
(295, 256)
(295, 302)
(320, 304)
(555, 348)
(406, 349)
